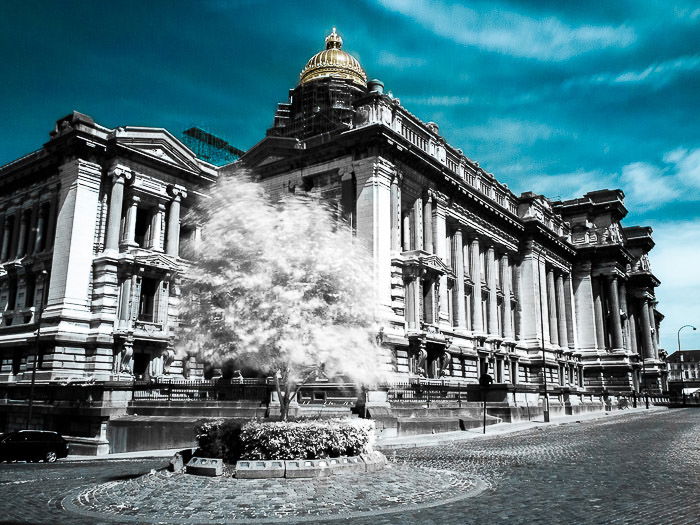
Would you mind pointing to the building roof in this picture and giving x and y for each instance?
(686, 356)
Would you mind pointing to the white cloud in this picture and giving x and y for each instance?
(649, 186)
(568, 185)
(511, 33)
(646, 186)
(658, 74)
(513, 132)
(389, 59)
(687, 165)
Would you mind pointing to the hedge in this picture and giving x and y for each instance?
(307, 439)
(219, 438)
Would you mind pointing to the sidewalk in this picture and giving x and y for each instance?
(165, 453)
(421, 440)
(428, 440)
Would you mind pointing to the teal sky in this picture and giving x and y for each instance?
(555, 97)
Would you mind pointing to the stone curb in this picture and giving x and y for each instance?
(68, 504)
(433, 440)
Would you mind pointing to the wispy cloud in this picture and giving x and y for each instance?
(659, 73)
(647, 186)
(513, 132)
(650, 186)
(509, 32)
(389, 59)
(569, 185)
(437, 100)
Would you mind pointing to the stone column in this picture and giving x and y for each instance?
(396, 213)
(440, 248)
(39, 237)
(130, 227)
(7, 233)
(493, 296)
(506, 285)
(584, 303)
(561, 312)
(632, 325)
(626, 333)
(569, 302)
(647, 344)
(475, 265)
(406, 231)
(173, 245)
(552, 308)
(428, 224)
(515, 292)
(411, 305)
(51, 222)
(33, 226)
(458, 296)
(652, 321)
(125, 300)
(614, 299)
(418, 224)
(22, 238)
(119, 175)
(156, 235)
(599, 321)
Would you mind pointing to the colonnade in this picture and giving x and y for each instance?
(28, 228)
(120, 176)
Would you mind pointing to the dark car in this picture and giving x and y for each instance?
(33, 445)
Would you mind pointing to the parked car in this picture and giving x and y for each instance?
(33, 445)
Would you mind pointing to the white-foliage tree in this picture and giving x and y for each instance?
(282, 287)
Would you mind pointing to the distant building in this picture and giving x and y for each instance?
(684, 365)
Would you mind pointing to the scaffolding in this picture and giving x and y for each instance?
(210, 148)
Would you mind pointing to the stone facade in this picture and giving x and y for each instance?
(91, 253)
(544, 296)
(470, 277)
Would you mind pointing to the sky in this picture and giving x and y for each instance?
(557, 97)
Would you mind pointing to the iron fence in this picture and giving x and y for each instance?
(256, 390)
(426, 391)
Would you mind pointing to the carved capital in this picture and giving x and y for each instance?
(120, 173)
(177, 192)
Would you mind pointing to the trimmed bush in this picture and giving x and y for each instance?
(219, 438)
(306, 439)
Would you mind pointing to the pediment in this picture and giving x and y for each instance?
(157, 260)
(158, 144)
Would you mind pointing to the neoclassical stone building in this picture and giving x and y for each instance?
(92, 237)
(470, 277)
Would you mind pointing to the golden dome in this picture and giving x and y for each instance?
(333, 62)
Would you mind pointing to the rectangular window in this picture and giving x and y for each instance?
(142, 231)
(147, 299)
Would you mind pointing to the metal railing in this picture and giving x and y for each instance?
(256, 390)
(426, 391)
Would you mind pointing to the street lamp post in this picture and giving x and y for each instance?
(644, 382)
(36, 355)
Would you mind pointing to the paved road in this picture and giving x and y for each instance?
(632, 469)
(32, 492)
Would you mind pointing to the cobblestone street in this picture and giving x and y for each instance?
(634, 468)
